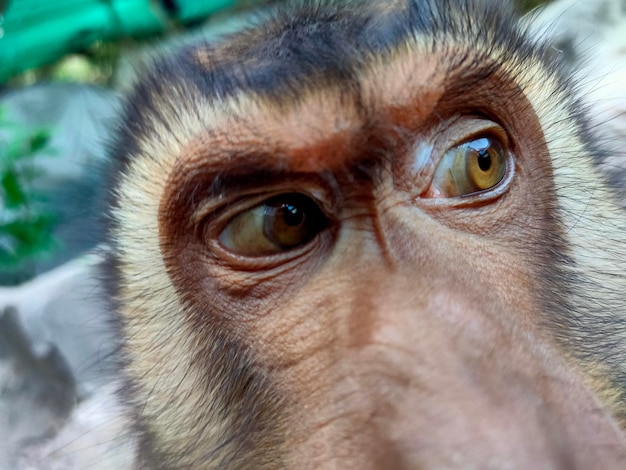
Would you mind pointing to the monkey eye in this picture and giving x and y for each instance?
(473, 166)
(279, 224)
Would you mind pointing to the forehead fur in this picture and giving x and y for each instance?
(316, 43)
(293, 52)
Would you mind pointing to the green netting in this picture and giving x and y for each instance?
(36, 32)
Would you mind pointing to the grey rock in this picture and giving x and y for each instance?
(56, 357)
(35, 379)
(96, 437)
(66, 308)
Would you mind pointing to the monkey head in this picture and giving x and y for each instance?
(368, 235)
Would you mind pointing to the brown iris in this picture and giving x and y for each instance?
(279, 224)
(473, 166)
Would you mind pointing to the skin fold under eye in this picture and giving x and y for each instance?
(279, 224)
(473, 166)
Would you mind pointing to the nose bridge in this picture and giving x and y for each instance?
(451, 301)
(435, 336)
(414, 245)
(447, 293)
(421, 300)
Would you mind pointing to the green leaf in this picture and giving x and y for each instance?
(38, 140)
(14, 195)
(24, 144)
(8, 259)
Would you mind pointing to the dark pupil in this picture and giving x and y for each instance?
(292, 216)
(484, 160)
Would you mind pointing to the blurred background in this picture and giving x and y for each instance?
(64, 65)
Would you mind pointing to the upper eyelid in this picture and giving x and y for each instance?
(238, 199)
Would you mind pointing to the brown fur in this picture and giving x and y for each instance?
(412, 332)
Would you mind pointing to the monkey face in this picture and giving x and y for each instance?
(360, 236)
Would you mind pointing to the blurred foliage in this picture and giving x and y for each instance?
(25, 230)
